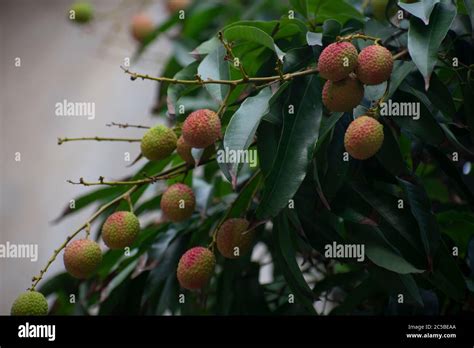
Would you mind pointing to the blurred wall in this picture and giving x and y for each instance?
(60, 60)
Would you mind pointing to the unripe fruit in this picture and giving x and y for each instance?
(201, 128)
(158, 143)
(184, 151)
(375, 65)
(176, 5)
(141, 27)
(364, 137)
(178, 202)
(195, 268)
(343, 95)
(233, 239)
(30, 303)
(120, 229)
(82, 257)
(83, 12)
(337, 61)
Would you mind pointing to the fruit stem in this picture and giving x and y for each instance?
(127, 125)
(351, 37)
(86, 225)
(64, 140)
(286, 77)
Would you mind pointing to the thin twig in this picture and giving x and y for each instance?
(126, 125)
(64, 140)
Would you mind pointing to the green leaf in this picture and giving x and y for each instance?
(296, 145)
(241, 204)
(421, 9)
(420, 207)
(401, 69)
(215, 67)
(286, 259)
(253, 34)
(424, 40)
(388, 259)
(241, 129)
(300, 6)
(338, 10)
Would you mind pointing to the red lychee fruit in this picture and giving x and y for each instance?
(201, 128)
(178, 202)
(195, 268)
(337, 61)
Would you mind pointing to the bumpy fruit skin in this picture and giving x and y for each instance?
(82, 257)
(158, 143)
(30, 303)
(364, 137)
(178, 202)
(195, 268)
(201, 128)
(231, 235)
(176, 5)
(184, 151)
(141, 27)
(83, 12)
(120, 229)
(337, 61)
(343, 95)
(375, 65)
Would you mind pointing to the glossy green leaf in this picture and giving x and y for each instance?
(421, 9)
(424, 40)
(215, 67)
(302, 118)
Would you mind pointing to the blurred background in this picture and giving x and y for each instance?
(80, 63)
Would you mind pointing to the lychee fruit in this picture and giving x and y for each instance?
(120, 229)
(375, 65)
(201, 128)
(195, 268)
(364, 137)
(82, 257)
(178, 202)
(30, 303)
(142, 26)
(176, 5)
(233, 238)
(158, 143)
(83, 12)
(343, 95)
(337, 61)
(184, 151)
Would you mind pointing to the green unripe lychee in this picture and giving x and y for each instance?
(233, 238)
(178, 202)
(158, 143)
(195, 268)
(82, 257)
(201, 128)
(142, 26)
(120, 229)
(82, 11)
(343, 95)
(364, 137)
(184, 151)
(375, 65)
(337, 61)
(30, 303)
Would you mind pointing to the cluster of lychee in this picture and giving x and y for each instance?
(82, 257)
(347, 71)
